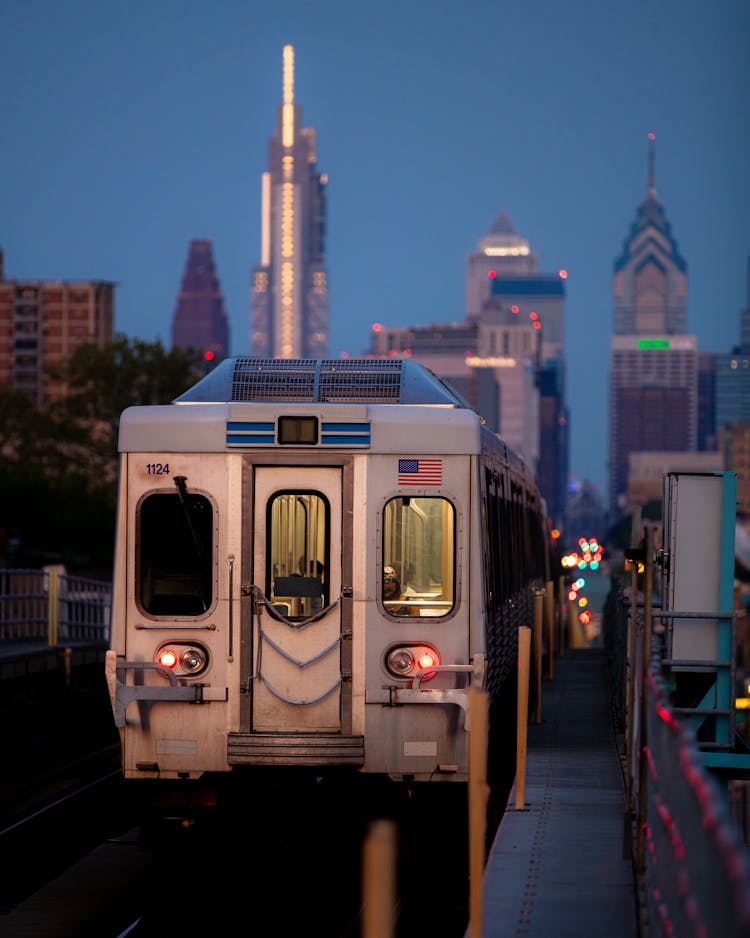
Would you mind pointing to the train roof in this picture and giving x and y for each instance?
(323, 380)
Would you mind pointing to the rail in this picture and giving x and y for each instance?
(687, 848)
(53, 607)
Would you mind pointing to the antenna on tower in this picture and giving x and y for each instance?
(651, 161)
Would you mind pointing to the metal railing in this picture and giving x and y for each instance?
(53, 607)
(687, 849)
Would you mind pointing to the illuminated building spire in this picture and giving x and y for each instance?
(289, 306)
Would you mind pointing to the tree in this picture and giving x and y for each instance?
(58, 462)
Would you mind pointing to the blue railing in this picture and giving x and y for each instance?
(53, 607)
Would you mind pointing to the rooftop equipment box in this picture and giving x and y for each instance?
(698, 511)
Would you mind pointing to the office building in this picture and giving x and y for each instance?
(200, 321)
(41, 324)
(503, 274)
(289, 303)
(506, 359)
(653, 392)
(732, 381)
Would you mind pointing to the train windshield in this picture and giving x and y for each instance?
(175, 554)
(418, 572)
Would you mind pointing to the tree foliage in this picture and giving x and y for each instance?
(58, 462)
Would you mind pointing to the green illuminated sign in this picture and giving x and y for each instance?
(653, 343)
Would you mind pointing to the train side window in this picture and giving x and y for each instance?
(298, 525)
(419, 555)
(175, 555)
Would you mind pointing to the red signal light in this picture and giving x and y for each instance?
(515, 309)
(492, 274)
(426, 660)
(208, 355)
(167, 659)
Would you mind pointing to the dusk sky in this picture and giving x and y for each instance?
(129, 129)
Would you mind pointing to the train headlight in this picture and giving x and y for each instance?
(182, 658)
(193, 660)
(407, 661)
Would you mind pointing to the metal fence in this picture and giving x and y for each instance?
(53, 607)
(687, 848)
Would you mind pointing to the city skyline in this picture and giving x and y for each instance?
(129, 133)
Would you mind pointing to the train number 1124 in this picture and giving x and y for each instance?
(157, 468)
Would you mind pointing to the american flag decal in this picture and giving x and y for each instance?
(420, 472)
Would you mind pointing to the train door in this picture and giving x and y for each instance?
(297, 564)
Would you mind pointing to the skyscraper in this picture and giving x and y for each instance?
(653, 394)
(504, 289)
(733, 375)
(199, 321)
(289, 306)
(506, 359)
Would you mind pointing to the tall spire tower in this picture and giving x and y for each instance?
(289, 306)
(653, 390)
(199, 321)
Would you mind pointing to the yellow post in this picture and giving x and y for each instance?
(52, 620)
(550, 610)
(640, 847)
(561, 612)
(478, 795)
(577, 639)
(538, 601)
(379, 880)
(522, 718)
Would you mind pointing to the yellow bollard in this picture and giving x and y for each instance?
(522, 717)
(577, 639)
(478, 796)
(379, 880)
(550, 611)
(561, 612)
(52, 604)
(538, 600)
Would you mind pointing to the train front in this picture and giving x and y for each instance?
(297, 575)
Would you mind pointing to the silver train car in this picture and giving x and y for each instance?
(314, 562)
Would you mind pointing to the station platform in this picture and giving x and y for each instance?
(560, 865)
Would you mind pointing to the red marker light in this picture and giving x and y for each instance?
(426, 660)
(492, 274)
(167, 659)
(514, 309)
(376, 327)
(563, 274)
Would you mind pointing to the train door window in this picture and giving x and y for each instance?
(418, 575)
(298, 526)
(175, 554)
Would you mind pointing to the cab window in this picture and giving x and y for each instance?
(418, 557)
(175, 555)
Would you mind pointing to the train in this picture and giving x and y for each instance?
(315, 561)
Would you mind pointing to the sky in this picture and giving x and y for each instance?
(129, 129)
